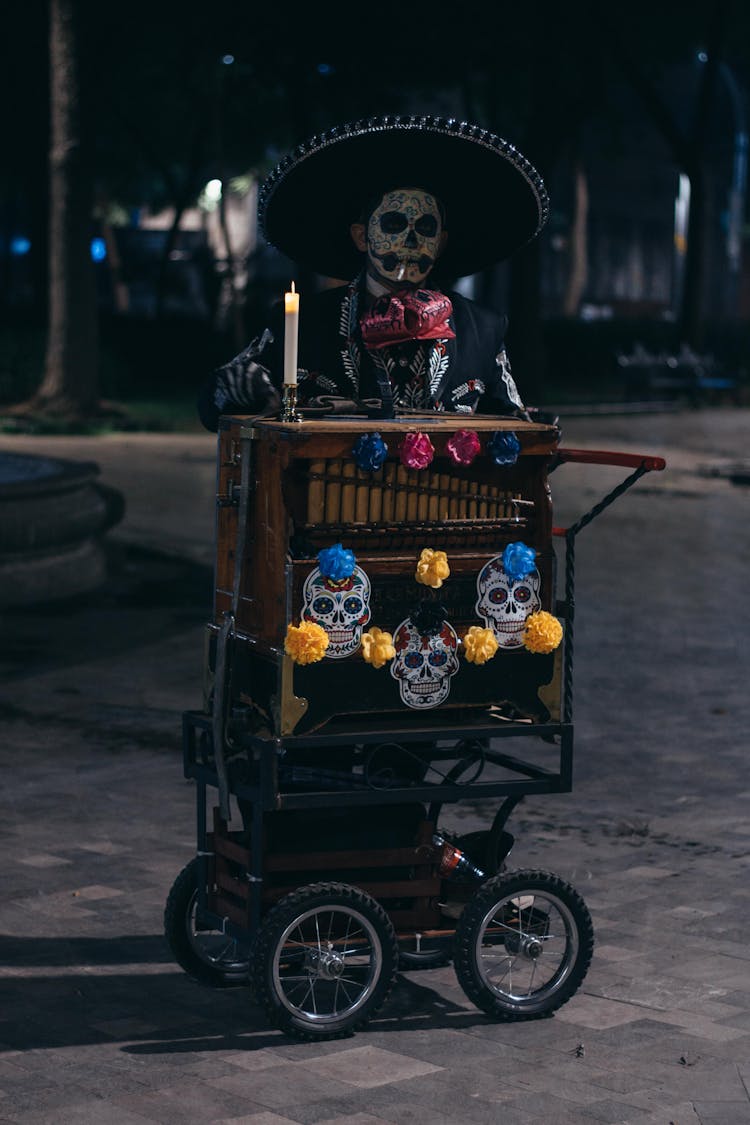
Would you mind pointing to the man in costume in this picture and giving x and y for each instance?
(396, 203)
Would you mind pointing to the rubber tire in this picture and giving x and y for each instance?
(581, 934)
(177, 920)
(271, 933)
(409, 961)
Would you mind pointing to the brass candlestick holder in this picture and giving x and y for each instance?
(290, 412)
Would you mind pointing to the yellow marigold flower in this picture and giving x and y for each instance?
(542, 632)
(306, 643)
(432, 568)
(377, 647)
(480, 645)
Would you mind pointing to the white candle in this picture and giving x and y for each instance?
(291, 328)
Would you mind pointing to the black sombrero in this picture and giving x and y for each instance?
(495, 199)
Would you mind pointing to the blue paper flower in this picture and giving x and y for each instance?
(518, 560)
(504, 447)
(370, 452)
(336, 562)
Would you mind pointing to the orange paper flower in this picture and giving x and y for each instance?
(480, 645)
(306, 643)
(542, 632)
(377, 647)
(432, 568)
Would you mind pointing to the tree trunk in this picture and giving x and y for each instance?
(70, 384)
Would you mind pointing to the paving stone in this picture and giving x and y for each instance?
(190, 1101)
(387, 1103)
(704, 1029)
(93, 1112)
(253, 1060)
(357, 1119)
(264, 1118)
(599, 1012)
(282, 1086)
(369, 1066)
(43, 859)
(615, 952)
(672, 1113)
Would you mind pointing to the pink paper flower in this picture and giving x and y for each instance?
(463, 446)
(416, 451)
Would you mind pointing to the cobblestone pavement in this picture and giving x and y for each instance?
(97, 1025)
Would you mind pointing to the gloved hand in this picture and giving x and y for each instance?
(244, 383)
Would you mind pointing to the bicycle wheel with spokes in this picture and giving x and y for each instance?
(205, 954)
(523, 945)
(324, 961)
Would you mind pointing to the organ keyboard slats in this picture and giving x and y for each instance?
(340, 495)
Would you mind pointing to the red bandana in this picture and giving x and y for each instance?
(418, 314)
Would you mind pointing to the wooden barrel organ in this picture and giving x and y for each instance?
(287, 491)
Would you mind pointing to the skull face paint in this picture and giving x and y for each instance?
(504, 604)
(404, 236)
(341, 608)
(424, 664)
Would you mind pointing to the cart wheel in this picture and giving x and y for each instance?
(324, 961)
(523, 945)
(206, 955)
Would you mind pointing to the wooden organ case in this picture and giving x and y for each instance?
(285, 491)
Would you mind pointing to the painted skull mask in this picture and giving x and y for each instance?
(504, 603)
(404, 235)
(424, 664)
(341, 608)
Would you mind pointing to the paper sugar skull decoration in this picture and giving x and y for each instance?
(424, 663)
(504, 603)
(341, 607)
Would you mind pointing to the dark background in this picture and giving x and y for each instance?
(612, 103)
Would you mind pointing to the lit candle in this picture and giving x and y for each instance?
(291, 327)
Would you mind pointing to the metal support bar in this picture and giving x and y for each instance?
(646, 465)
(570, 622)
(605, 502)
(219, 709)
(203, 855)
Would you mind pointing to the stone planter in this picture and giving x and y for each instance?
(53, 515)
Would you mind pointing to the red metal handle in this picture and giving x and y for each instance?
(625, 460)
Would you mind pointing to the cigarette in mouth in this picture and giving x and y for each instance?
(401, 272)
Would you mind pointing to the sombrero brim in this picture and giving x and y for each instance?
(495, 199)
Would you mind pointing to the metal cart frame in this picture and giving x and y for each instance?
(242, 863)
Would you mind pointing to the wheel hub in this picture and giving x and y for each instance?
(531, 948)
(326, 963)
(524, 945)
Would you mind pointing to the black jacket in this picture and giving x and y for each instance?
(465, 374)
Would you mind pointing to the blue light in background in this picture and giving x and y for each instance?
(227, 60)
(98, 249)
(19, 246)
(325, 68)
